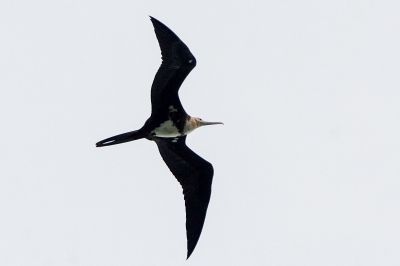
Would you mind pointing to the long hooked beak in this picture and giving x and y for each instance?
(205, 123)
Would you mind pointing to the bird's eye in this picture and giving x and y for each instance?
(190, 61)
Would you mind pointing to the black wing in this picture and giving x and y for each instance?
(177, 62)
(195, 175)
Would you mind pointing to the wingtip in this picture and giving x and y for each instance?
(190, 250)
(154, 20)
(156, 23)
(188, 254)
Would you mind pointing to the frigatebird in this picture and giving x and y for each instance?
(168, 126)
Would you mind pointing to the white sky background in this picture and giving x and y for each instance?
(307, 165)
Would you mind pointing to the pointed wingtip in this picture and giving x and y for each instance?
(167, 38)
(191, 247)
(189, 253)
(155, 21)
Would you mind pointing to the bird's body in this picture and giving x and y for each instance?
(174, 128)
(168, 126)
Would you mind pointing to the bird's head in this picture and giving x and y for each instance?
(198, 122)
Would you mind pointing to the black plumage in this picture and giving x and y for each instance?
(177, 62)
(168, 126)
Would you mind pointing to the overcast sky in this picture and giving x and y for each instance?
(307, 168)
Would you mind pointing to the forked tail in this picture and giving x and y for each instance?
(121, 138)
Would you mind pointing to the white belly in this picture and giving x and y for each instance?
(167, 130)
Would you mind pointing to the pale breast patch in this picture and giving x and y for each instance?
(167, 129)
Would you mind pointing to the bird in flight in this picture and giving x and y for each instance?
(168, 126)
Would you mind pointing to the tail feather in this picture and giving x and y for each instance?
(121, 138)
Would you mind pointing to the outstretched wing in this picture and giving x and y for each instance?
(195, 175)
(177, 62)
